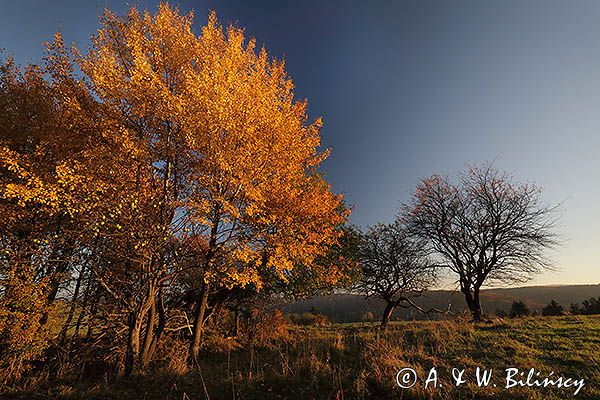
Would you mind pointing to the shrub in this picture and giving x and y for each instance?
(552, 309)
(519, 309)
(310, 318)
(23, 339)
(591, 306)
(265, 326)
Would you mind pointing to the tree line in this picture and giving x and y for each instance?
(589, 306)
(519, 309)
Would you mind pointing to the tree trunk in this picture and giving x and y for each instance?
(476, 309)
(154, 330)
(60, 257)
(92, 313)
(65, 328)
(236, 323)
(84, 307)
(148, 337)
(133, 342)
(199, 323)
(387, 313)
(199, 313)
(160, 327)
(55, 281)
(473, 302)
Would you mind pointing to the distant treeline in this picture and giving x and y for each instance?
(354, 308)
(590, 306)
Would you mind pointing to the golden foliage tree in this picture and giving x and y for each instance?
(217, 125)
(36, 203)
(174, 156)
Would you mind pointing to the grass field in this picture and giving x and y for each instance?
(355, 361)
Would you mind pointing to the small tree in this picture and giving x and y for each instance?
(485, 228)
(575, 309)
(591, 306)
(553, 308)
(395, 267)
(518, 309)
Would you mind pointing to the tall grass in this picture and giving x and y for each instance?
(358, 361)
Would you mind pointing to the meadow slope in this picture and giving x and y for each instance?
(356, 361)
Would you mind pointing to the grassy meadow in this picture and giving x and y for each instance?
(357, 361)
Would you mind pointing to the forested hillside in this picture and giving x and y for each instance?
(353, 308)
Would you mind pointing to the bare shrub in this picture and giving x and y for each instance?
(309, 319)
(264, 327)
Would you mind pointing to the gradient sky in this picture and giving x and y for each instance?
(407, 89)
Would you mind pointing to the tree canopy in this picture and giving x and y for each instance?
(159, 156)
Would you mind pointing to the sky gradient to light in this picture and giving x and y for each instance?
(412, 88)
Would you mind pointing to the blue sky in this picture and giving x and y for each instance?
(411, 88)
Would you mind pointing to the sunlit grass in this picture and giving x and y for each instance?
(357, 361)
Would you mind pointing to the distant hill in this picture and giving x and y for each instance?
(353, 308)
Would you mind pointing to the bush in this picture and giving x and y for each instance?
(591, 306)
(519, 309)
(264, 327)
(310, 318)
(22, 337)
(552, 309)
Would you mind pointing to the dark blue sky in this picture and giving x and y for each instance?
(410, 88)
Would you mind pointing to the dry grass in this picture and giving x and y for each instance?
(356, 361)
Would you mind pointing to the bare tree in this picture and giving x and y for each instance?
(486, 229)
(395, 267)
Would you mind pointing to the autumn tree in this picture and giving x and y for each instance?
(27, 225)
(256, 196)
(395, 267)
(40, 235)
(226, 156)
(337, 268)
(486, 228)
(169, 157)
(144, 71)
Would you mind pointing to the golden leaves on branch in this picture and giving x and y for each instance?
(166, 136)
(225, 115)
